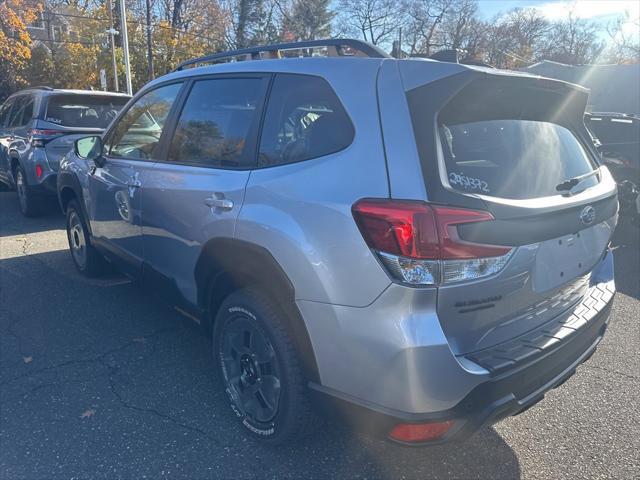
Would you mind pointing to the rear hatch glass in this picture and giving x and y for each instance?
(518, 159)
(83, 111)
(508, 141)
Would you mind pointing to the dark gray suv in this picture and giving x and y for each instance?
(419, 245)
(38, 126)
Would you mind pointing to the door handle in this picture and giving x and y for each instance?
(222, 203)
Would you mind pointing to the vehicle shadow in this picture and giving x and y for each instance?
(626, 254)
(12, 222)
(145, 374)
(484, 455)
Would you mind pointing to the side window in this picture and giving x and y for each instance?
(137, 133)
(27, 112)
(304, 120)
(5, 110)
(215, 123)
(15, 118)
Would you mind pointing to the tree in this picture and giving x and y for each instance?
(15, 42)
(625, 45)
(425, 24)
(514, 39)
(375, 21)
(458, 24)
(308, 20)
(253, 22)
(573, 41)
(40, 68)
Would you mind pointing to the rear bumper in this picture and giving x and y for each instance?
(502, 395)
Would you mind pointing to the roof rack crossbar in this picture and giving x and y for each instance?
(254, 52)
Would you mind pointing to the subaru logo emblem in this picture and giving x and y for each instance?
(588, 215)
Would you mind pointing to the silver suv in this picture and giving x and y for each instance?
(419, 247)
(37, 127)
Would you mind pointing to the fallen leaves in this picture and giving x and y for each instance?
(90, 412)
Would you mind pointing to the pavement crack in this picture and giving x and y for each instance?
(608, 370)
(153, 411)
(25, 245)
(96, 359)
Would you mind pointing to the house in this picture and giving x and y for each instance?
(53, 27)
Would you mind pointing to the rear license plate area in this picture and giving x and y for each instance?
(565, 258)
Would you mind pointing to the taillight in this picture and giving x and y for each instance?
(419, 242)
(38, 171)
(420, 432)
(38, 137)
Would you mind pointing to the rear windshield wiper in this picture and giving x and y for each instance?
(570, 183)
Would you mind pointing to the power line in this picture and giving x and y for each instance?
(137, 22)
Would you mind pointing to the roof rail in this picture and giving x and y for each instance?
(451, 55)
(341, 46)
(40, 87)
(455, 55)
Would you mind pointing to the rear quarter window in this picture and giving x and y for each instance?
(304, 120)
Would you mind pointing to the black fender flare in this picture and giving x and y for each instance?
(226, 264)
(67, 181)
(13, 157)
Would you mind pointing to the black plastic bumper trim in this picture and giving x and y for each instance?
(502, 396)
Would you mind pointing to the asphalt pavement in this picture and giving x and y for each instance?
(100, 380)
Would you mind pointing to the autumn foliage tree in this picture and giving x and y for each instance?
(183, 29)
(15, 43)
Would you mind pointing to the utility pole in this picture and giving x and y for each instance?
(112, 32)
(149, 44)
(125, 46)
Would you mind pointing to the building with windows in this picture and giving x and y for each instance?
(53, 27)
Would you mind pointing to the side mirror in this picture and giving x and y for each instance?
(90, 148)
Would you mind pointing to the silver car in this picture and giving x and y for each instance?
(418, 247)
(37, 127)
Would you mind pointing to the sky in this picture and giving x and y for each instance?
(602, 12)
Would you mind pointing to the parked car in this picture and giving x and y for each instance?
(37, 127)
(419, 247)
(617, 137)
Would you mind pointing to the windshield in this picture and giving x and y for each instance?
(517, 159)
(83, 111)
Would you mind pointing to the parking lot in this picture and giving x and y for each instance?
(100, 380)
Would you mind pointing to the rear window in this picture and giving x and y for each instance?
(517, 159)
(83, 111)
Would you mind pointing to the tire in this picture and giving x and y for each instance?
(260, 369)
(85, 257)
(28, 201)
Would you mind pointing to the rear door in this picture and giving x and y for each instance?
(5, 113)
(20, 123)
(7, 134)
(517, 148)
(195, 193)
(131, 148)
